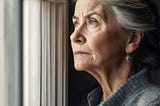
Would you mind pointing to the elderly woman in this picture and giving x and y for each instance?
(117, 42)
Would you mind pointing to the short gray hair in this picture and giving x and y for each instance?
(132, 14)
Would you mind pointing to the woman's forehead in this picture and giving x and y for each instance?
(84, 7)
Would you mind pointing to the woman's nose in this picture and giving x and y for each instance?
(78, 37)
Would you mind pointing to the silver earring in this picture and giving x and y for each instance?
(128, 58)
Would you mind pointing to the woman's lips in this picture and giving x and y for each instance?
(80, 52)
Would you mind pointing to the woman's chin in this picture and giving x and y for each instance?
(80, 67)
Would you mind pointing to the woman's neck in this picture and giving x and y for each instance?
(111, 78)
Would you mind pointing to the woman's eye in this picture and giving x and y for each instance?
(93, 21)
(75, 24)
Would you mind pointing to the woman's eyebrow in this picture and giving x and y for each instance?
(93, 13)
(88, 15)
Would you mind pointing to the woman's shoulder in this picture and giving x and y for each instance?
(148, 96)
(150, 92)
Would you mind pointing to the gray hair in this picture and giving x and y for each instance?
(132, 14)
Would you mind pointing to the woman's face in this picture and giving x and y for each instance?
(96, 42)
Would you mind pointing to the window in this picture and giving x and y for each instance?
(33, 43)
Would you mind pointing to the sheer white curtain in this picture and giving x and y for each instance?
(33, 60)
(45, 52)
(31, 52)
(59, 52)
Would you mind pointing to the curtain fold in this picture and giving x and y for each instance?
(32, 52)
(45, 52)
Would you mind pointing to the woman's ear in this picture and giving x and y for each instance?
(134, 41)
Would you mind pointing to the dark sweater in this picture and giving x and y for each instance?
(136, 91)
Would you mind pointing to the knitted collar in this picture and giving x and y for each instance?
(133, 84)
